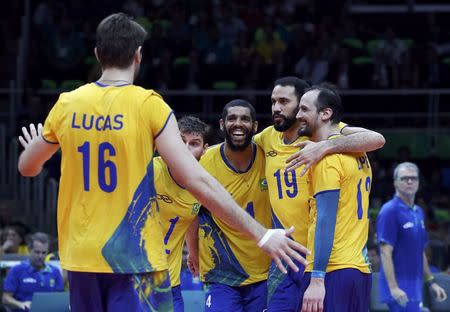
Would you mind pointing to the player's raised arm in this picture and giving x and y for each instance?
(354, 139)
(36, 151)
(212, 195)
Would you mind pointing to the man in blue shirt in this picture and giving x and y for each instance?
(402, 238)
(30, 276)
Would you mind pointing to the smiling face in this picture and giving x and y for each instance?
(307, 114)
(284, 107)
(195, 143)
(238, 127)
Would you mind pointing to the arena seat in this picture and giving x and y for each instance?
(50, 302)
(194, 300)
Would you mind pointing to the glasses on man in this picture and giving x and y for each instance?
(409, 178)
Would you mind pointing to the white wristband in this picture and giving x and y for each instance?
(268, 234)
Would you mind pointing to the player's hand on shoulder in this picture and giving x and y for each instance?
(314, 296)
(400, 296)
(277, 244)
(309, 153)
(30, 135)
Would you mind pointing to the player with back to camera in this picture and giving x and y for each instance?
(108, 131)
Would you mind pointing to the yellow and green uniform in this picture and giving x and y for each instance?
(227, 256)
(108, 218)
(351, 175)
(178, 208)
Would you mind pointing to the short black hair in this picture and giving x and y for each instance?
(118, 38)
(328, 97)
(299, 85)
(239, 103)
(192, 124)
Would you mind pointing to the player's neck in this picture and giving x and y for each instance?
(324, 132)
(409, 200)
(291, 134)
(112, 76)
(240, 160)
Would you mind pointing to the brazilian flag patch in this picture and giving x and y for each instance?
(263, 184)
(195, 208)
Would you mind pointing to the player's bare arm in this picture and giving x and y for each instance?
(354, 140)
(187, 171)
(36, 151)
(192, 247)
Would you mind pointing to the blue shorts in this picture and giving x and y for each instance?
(178, 303)
(345, 290)
(110, 292)
(283, 289)
(411, 306)
(248, 298)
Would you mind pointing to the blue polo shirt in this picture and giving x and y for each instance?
(23, 280)
(403, 228)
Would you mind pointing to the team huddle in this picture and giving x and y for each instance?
(275, 220)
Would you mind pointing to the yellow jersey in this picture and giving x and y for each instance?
(352, 176)
(177, 208)
(288, 191)
(108, 218)
(226, 256)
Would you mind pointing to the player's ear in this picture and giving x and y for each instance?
(96, 55)
(138, 55)
(326, 114)
(255, 126)
(221, 124)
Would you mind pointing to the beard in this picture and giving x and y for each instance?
(287, 122)
(305, 131)
(239, 147)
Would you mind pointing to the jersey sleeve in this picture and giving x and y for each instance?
(326, 175)
(157, 113)
(387, 227)
(49, 132)
(11, 282)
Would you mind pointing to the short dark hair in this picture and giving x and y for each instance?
(240, 103)
(38, 237)
(192, 124)
(118, 37)
(299, 85)
(328, 97)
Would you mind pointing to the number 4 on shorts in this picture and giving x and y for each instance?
(208, 301)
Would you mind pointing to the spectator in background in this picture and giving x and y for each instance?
(402, 239)
(312, 67)
(30, 276)
(14, 240)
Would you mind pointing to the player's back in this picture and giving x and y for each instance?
(352, 175)
(107, 197)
